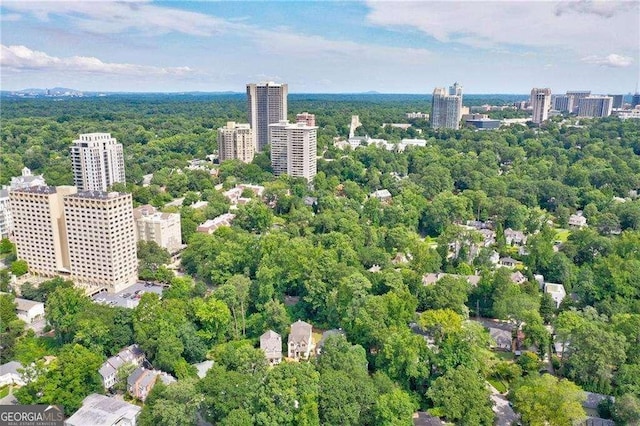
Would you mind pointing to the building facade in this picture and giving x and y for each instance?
(446, 107)
(98, 162)
(266, 104)
(236, 141)
(163, 228)
(540, 104)
(101, 240)
(293, 149)
(25, 180)
(595, 106)
(306, 118)
(40, 231)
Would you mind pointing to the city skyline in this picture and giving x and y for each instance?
(330, 47)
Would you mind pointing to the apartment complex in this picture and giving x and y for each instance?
(595, 106)
(87, 236)
(236, 141)
(446, 107)
(293, 149)
(163, 228)
(40, 231)
(266, 104)
(101, 239)
(25, 180)
(306, 118)
(98, 162)
(540, 104)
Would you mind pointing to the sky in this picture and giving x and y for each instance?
(321, 47)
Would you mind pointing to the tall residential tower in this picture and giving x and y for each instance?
(540, 104)
(266, 104)
(236, 141)
(293, 149)
(446, 108)
(98, 162)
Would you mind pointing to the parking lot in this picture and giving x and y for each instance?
(129, 297)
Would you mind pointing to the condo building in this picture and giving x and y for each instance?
(98, 162)
(25, 180)
(163, 228)
(293, 149)
(446, 107)
(540, 104)
(236, 141)
(266, 104)
(101, 240)
(306, 118)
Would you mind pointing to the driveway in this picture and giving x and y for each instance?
(505, 414)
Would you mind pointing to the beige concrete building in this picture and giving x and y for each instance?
(540, 104)
(266, 104)
(98, 162)
(40, 232)
(101, 240)
(163, 228)
(236, 141)
(306, 118)
(293, 149)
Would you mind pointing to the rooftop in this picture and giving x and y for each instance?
(25, 305)
(98, 195)
(98, 410)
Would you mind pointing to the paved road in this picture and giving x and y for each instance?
(506, 415)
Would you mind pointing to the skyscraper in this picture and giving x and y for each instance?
(266, 104)
(540, 104)
(446, 109)
(595, 106)
(293, 149)
(40, 232)
(236, 141)
(98, 162)
(101, 240)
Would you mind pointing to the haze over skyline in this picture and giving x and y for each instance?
(322, 47)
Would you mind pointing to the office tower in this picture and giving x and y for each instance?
(266, 104)
(236, 141)
(163, 228)
(306, 118)
(595, 106)
(98, 162)
(446, 109)
(540, 104)
(618, 101)
(575, 96)
(101, 240)
(40, 233)
(563, 103)
(293, 149)
(635, 100)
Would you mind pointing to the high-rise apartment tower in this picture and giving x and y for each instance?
(98, 162)
(236, 141)
(293, 149)
(446, 108)
(540, 104)
(266, 104)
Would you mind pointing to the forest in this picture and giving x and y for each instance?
(332, 255)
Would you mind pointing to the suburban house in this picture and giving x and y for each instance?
(141, 381)
(556, 291)
(508, 262)
(100, 410)
(514, 238)
(271, 344)
(325, 336)
(28, 310)
(109, 370)
(381, 194)
(488, 237)
(9, 374)
(518, 278)
(203, 367)
(300, 340)
(210, 226)
(502, 337)
(577, 221)
(432, 278)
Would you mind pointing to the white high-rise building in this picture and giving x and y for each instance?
(236, 141)
(266, 104)
(26, 180)
(101, 240)
(40, 232)
(446, 108)
(540, 104)
(293, 149)
(98, 162)
(595, 106)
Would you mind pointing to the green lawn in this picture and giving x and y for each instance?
(4, 391)
(498, 384)
(562, 234)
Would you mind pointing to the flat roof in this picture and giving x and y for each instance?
(98, 195)
(98, 410)
(117, 299)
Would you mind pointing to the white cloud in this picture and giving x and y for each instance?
(104, 17)
(23, 58)
(10, 17)
(582, 27)
(612, 60)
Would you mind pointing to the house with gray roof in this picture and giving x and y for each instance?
(9, 374)
(300, 340)
(141, 381)
(327, 334)
(100, 410)
(556, 291)
(271, 344)
(514, 238)
(109, 370)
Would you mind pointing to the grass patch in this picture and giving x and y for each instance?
(501, 386)
(4, 391)
(504, 356)
(562, 234)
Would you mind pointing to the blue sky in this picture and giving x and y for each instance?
(328, 47)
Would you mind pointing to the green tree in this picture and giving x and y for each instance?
(254, 216)
(150, 257)
(19, 267)
(547, 400)
(394, 408)
(626, 410)
(63, 308)
(461, 396)
(173, 405)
